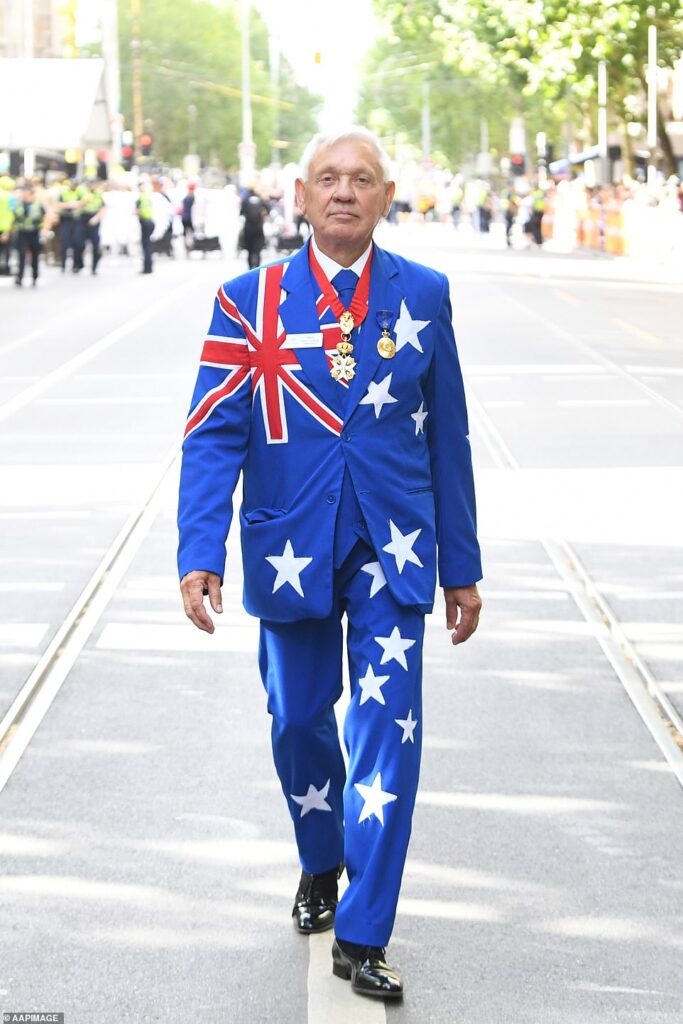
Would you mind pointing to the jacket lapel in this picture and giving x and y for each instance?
(384, 295)
(299, 315)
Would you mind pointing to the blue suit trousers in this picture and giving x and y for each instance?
(362, 815)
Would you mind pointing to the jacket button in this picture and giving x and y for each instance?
(346, 436)
(331, 499)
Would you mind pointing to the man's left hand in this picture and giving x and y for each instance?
(463, 605)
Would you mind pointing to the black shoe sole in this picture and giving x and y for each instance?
(313, 931)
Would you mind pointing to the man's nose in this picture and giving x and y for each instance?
(343, 191)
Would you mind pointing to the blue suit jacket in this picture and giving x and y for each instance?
(409, 472)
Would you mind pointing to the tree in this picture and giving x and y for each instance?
(190, 56)
(542, 54)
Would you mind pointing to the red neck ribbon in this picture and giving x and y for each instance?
(361, 296)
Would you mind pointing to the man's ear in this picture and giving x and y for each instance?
(389, 193)
(300, 193)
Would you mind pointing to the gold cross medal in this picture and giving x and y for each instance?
(343, 366)
(386, 345)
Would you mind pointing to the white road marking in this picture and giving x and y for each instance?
(515, 803)
(594, 378)
(505, 403)
(525, 595)
(26, 587)
(239, 638)
(109, 400)
(664, 371)
(22, 634)
(53, 516)
(519, 369)
(50, 379)
(625, 403)
(331, 1000)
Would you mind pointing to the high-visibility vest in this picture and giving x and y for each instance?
(93, 202)
(29, 217)
(6, 215)
(145, 208)
(538, 197)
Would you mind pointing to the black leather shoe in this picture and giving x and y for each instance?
(367, 970)
(316, 901)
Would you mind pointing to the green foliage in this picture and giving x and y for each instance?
(190, 56)
(495, 58)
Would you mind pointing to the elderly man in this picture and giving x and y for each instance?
(331, 381)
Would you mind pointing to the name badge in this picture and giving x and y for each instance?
(313, 340)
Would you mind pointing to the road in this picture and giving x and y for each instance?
(148, 860)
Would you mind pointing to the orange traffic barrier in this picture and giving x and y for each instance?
(614, 228)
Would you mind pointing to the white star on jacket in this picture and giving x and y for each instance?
(420, 416)
(379, 580)
(378, 395)
(394, 647)
(401, 547)
(374, 798)
(371, 685)
(408, 725)
(407, 329)
(314, 800)
(289, 568)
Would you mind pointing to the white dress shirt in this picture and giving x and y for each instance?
(330, 268)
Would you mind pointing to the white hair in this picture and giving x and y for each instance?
(322, 140)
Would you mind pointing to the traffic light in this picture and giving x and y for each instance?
(127, 157)
(517, 164)
(145, 141)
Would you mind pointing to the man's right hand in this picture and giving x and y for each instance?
(194, 587)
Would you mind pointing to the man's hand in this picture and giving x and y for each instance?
(194, 587)
(463, 605)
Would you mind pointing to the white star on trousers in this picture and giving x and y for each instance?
(378, 395)
(408, 725)
(371, 685)
(401, 547)
(394, 646)
(379, 580)
(314, 800)
(374, 798)
(407, 329)
(420, 416)
(289, 568)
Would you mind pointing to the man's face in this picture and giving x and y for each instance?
(345, 195)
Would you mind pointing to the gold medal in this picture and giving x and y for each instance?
(385, 346)
(346, 322)
(345, 348)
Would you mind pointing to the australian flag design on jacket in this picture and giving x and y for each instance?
(265, 405)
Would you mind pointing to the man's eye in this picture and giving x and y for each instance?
(326, 179)
(362, 179)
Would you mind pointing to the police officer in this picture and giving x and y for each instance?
(537, 210)
(92, 213)
(145, 211)
(6, 221)
(69, 206)
(29, 215)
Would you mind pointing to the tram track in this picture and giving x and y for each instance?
(653, 705)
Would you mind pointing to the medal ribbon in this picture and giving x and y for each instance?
(359, 303)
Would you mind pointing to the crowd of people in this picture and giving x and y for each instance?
(71, 222)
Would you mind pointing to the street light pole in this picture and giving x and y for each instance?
(246, 149)
(602, 120)
(652, 102)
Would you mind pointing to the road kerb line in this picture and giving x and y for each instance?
(331, 1000)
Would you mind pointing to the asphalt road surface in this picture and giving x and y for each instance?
(148, 861)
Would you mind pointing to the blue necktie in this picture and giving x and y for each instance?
(345, 283)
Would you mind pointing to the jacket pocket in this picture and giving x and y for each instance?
(263, 515)
(419, 490)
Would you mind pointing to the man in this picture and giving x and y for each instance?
(92, 214)
(356, 462)
(29, 218)
(144, 208)
(254, 211)
(71, 232)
